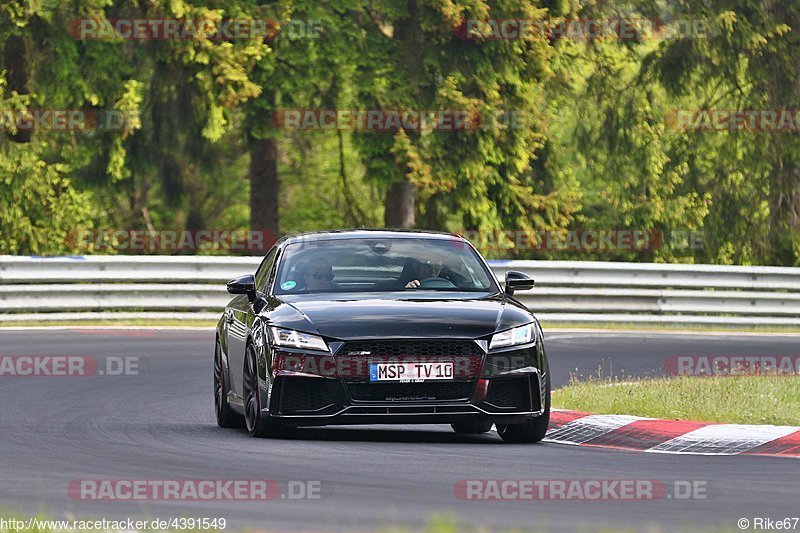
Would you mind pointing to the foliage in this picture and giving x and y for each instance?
(587, 138)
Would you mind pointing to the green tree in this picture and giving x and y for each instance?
(414, 57)
(748, 61)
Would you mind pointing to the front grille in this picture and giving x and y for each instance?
(299, 394)
(510, 393)
(399, 392)
(419, 348)
(354, 358)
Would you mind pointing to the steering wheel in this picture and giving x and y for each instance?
(436, 283)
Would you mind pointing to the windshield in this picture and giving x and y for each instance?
(393, 264)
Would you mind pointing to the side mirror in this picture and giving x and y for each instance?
(517, 281)
(243, 285)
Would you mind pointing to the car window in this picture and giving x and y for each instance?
(373, 264)
(262, 274)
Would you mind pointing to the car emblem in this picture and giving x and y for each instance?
(359, 353)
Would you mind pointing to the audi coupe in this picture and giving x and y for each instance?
(380, 327)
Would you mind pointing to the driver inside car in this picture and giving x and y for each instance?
(318, 275)
(426, 268)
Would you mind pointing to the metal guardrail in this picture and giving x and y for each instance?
(182, 287)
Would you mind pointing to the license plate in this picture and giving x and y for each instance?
(410, 372)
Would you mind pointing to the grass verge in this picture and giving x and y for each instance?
(773, 399)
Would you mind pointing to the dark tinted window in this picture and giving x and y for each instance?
(368, 265)
(262, 274)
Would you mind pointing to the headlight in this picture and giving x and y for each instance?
(512, 337)
(296, 339)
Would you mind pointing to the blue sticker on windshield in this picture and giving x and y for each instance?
(288, 285)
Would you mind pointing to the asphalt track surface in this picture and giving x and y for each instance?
(159, 424)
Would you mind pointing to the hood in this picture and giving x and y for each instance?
(455, 315)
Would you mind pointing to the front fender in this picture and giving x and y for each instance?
(222, 338)
(259, 340)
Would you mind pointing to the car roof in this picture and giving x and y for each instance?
(368, 234)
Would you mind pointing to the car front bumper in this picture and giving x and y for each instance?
(509, 398)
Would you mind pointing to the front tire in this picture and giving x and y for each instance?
(226, 417)
(257, 425)
(532, 430)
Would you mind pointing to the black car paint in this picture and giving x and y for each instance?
(339, 317)
(400, 315)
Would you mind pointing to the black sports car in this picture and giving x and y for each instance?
(378, 326)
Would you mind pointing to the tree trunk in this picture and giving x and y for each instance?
(264, 188)
(400, 205)
(400, 199)
(429, 216)
(16, 66)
